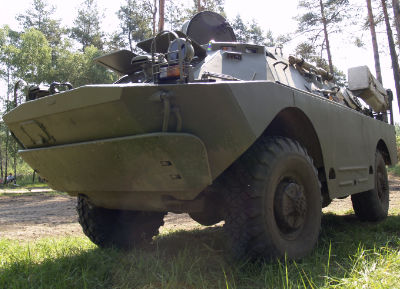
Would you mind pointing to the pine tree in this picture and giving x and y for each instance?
(150, 6)
(208, 5)
(319, 20)
(251, 32)
(8, 51)
(161, 18)
(308, 52)
(371, 24)
(33, 57)
(198, 6)
(134, 22)
(396, 13)
(39, 16)
(86, 29)
(175, 16)
(393, 54)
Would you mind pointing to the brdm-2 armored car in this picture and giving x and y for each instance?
(222, 130)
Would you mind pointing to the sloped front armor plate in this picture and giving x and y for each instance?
(160, 162)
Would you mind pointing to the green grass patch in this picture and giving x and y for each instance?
(24, 187)
(395, 170)
(350, 254)
(28, 190)
(18, 193)
(26, 180)
(35, 185)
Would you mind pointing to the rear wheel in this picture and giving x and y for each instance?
(275, 207)
(373, 205)
(118, 228)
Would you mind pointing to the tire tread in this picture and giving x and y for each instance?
(244, 182)
(122, 229)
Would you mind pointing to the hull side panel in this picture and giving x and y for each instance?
(348, 139)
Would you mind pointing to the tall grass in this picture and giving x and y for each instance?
(396, 169)
(350, 254)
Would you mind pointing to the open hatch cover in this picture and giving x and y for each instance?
(118, 61)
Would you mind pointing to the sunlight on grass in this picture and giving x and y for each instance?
(350, 254)
(395, 170)
(374, 268)
(36, 185)
(18, 193)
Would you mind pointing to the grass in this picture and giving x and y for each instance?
(35, 185)
(350, 254)
(395, 170)
(24, 183)
(11, 190)
(16, 194)
(26, 180)
(24, 186)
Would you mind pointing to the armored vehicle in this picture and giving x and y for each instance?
(222, 130)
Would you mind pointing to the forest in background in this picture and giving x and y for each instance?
(42, 50)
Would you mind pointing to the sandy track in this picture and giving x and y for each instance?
(29, 217)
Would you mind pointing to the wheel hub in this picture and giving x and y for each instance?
(290, 206)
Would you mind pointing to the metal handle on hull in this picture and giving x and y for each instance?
(164, 97)
(167, 111)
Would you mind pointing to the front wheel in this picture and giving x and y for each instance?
(373, 205)
(117, 228)
(277, 210)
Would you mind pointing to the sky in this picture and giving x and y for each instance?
(276, 16)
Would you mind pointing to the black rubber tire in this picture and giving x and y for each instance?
(373, 205)
(253, 222)
(117, 228)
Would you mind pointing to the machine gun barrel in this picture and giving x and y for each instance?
(301, 64)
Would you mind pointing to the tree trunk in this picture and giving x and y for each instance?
(198, 5)
(371, 23)
(154, 12)
(328, 48)
(6, 158)
(393, 54)
(16, 87)
(15, 164)
(1, 162)
(130, 40)
(161, 6)
(396, 13)
(7, 131)
(1, 155)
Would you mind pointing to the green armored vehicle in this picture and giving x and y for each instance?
(219, 129)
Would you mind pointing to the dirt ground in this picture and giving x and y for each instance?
(30, 217)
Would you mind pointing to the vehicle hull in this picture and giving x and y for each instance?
(91, 140)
